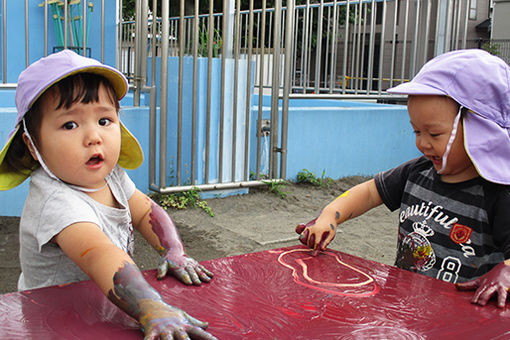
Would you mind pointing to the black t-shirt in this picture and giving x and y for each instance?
(451, 231)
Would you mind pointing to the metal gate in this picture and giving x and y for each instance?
(225, 79)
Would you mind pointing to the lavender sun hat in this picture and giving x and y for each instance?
(479, 82)
(39, 77)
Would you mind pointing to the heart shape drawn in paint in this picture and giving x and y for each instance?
(327, 273)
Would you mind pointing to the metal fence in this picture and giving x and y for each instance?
(500, 47)
(341, 49)
(345, 47)
(328, 49)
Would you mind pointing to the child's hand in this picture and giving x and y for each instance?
(161, 320)
(158, 319)
(495, 281)
(185, 268)
(316, 235)
(173, 258)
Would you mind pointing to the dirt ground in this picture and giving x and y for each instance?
(247, 223)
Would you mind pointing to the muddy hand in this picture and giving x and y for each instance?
(157, 318)
(161, 320)
(308, 238)
(185, 268)
(496, 281)
(173, 258)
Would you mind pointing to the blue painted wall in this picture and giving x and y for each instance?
(346, 138)
(201, 116)
(15, 29)
(342, 138)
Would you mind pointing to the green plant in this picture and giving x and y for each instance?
(309, 177)
(172, 177)
(491, 47)
(203, 42)
(182, 200)
(276, 188)
(253, 176)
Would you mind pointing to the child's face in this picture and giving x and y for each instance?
(81, 144)
(432, 118)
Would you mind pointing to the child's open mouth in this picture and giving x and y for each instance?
(436, 160)
(95, 160)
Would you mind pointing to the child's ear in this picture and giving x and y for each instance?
(29, 145)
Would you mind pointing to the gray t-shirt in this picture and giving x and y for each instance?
(50, 207)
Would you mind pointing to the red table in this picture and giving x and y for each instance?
(276, 294)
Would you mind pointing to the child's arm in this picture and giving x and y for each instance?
(121, 281)
(159, 230)
(319, 232)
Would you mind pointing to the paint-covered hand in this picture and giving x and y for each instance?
(160, 320)
(185, 268)
(496, 281)
(316, 234)
(173, 258)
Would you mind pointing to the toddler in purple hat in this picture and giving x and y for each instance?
(454, 221)
(81, 208)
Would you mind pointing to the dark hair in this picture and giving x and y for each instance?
(78, 88)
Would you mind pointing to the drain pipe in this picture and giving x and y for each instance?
(273, 158)
(4, 43)
(163, 109)
(136, 80)
(289, 49)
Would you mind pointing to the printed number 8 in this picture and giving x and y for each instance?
(449, 269)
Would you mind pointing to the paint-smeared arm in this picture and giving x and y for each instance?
(320, 231)
(121, 281)
(159, 230)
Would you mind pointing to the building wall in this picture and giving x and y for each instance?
(345, 138)
(404, 67)
(482, 14)
(501, 23)
(15, 35)
(341, 138)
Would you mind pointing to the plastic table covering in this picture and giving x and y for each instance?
(275, 294)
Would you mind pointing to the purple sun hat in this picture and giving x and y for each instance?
(39, 77)
(480, 82)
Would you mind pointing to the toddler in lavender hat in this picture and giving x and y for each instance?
(454, 221)
(81, 207)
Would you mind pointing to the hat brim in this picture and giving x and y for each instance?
(488, 146)
(415, 88)
(10, 179)
(131, 154)
(130, 157)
